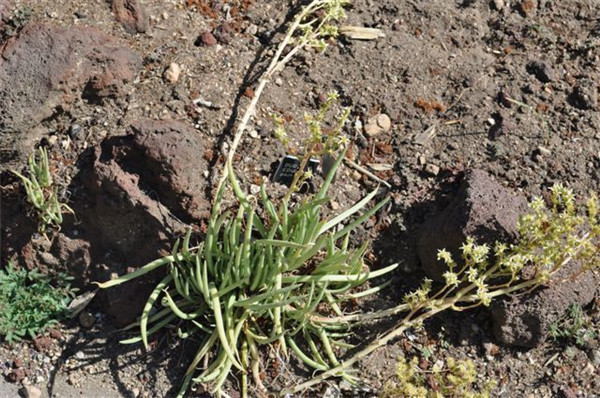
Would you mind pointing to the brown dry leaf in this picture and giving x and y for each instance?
(429, 106)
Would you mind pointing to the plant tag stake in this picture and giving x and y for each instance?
(289, 165)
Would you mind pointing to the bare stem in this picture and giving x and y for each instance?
(277, 63)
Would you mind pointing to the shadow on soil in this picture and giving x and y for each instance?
(101, 349)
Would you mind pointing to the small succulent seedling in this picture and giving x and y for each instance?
(42, 193)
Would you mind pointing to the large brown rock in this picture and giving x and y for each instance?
(483, 209)
(173, 157)
(140, 191)
(143, 188)
(524, 320)
(132, 15)
(60, 254)
(44, 68)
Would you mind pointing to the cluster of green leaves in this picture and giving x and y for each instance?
(42, 193)
(573, 326)
(30, 303)
(451, 379)
(260, 281)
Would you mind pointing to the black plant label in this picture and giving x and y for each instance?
(288, 167)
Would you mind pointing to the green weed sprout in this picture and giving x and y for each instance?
(29, 303)
(573, 326)
(42, 193)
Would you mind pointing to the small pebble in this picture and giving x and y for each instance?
(544, 151)
(206, 39)
(542, 70)
(491, 349)
(252, 29)
(172, 73)
(278, 81)
(585, 94)
(52, 140)
(74, 131)
(358, 126)
(432, 169)
(595, 357)
(345, 386)
(378, 124)
(86, 319)
(253, 134)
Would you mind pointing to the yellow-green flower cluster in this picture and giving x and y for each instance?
(454, 379)
(549, 239)
(316, 30)
(419, 296)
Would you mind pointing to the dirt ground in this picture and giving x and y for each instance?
(509, 87)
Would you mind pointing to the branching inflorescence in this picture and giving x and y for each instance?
(550, 240)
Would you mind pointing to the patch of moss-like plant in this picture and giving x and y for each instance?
(575, 326)
(30, 302)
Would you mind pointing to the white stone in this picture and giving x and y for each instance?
(544, 151)
(378, 124)
(172, 73)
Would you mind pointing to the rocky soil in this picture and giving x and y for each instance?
(466, 109)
